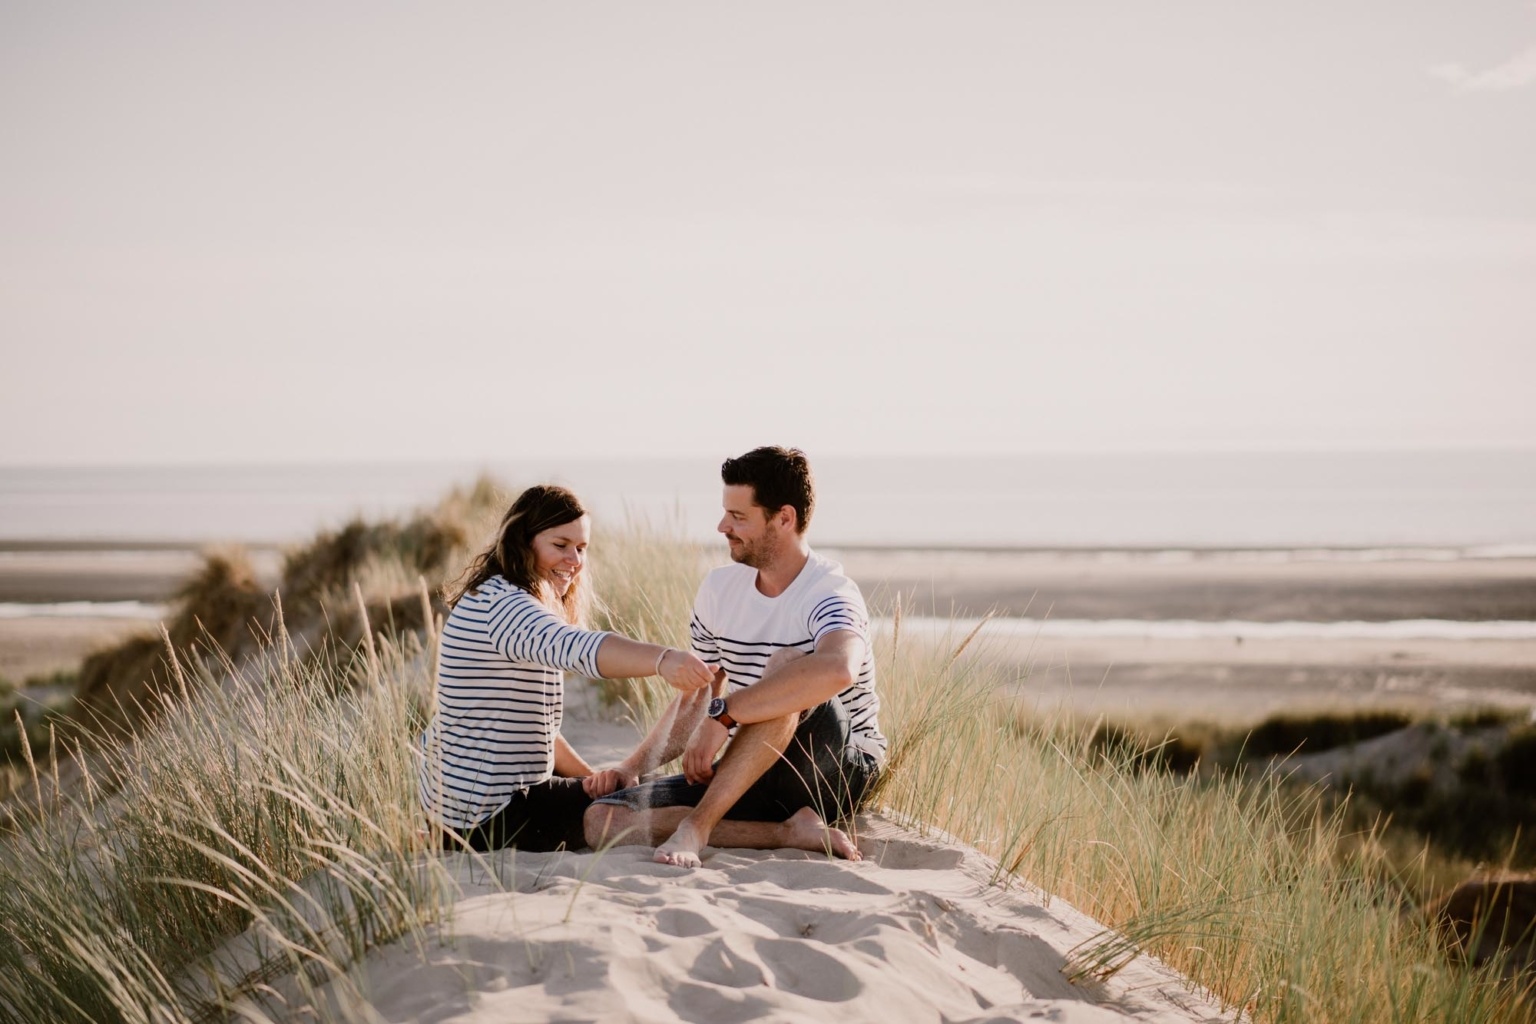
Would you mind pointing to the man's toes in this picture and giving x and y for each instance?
(678, 858)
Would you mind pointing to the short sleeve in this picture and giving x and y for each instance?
(842, 609)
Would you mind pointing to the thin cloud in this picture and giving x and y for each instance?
(1516, 73)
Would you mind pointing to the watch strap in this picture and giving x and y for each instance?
(722, 716)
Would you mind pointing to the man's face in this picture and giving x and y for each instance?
(753, 534)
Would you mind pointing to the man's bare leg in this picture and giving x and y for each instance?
(755, 749)
(803, 830)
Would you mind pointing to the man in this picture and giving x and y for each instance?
(794, 691)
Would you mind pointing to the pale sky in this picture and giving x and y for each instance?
(296, 231)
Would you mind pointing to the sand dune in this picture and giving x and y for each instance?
(915, 932)
(920, 930)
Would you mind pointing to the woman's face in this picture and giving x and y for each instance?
(560, 552)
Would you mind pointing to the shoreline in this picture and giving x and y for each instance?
(1162, 673)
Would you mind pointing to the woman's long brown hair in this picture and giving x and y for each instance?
(539, 508)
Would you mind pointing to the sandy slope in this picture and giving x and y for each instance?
(916, 932)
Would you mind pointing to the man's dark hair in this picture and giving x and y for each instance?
(778, 477)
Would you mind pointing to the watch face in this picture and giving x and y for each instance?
(716, 707)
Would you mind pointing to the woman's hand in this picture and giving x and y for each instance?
(684, 670)
(608, 780)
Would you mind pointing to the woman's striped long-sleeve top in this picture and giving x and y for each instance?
(500, 701)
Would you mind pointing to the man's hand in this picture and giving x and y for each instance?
(685, 671)
(608, 780)
(699, 758)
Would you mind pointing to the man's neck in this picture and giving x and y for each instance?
(775, 578)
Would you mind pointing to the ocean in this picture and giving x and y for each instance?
(1446, 504)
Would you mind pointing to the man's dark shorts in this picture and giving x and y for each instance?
(539, 819)
(819, 769)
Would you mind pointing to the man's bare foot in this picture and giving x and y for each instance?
(682, 849)
(808, 832)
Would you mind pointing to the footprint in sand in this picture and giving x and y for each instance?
(805, 970)
(723, 964)
(706, 1004)
(683, 924)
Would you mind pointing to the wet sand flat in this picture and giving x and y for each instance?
(1176, 677)
(40, 646)
(1221, 681)
(1216, 586)
(38, 574)
(1227, 678)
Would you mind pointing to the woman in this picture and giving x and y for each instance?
(495, 770)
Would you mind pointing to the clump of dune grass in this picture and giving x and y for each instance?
(645, 574)
(29, 716)
(1253, 888)
(260, 820)
(223, 610)
(274, 803)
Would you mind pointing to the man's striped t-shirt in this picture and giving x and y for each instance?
(738, 627)
(500, 701)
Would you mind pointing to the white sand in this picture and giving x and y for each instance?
(917, 931)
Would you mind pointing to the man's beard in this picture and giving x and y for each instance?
(750, 555)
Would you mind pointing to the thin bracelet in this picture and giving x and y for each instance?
(661, 658)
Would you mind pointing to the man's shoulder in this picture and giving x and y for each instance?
(829, 575)
(729, 574)
(725, 579)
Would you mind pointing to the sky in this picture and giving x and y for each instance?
(297, 232)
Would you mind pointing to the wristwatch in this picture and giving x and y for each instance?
(718, 713)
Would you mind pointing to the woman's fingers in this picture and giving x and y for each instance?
(699, 674)
(687, 673)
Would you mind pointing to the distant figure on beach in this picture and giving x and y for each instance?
(495, 770)
(795, 691)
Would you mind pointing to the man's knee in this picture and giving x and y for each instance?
(603, 823)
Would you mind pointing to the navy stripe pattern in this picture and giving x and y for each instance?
(500, 701)
(739, 629)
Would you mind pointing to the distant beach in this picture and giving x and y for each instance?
(1228, 638)
(1179, 584)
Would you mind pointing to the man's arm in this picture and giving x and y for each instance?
(789, 689)
(803, 683)
(669, 735)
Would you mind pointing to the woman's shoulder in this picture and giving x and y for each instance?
(495, 590)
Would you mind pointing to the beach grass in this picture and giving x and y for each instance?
(264, 821)
(1262, 891)
(265, 824)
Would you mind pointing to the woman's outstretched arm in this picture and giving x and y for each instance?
(619, 657)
